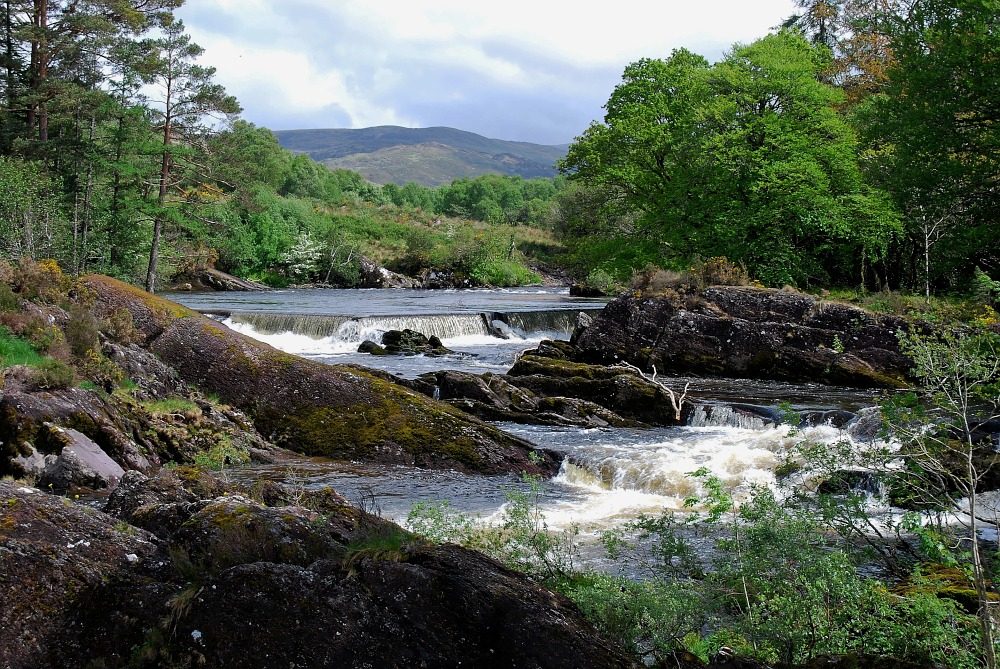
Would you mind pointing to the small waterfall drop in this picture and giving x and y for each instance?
(745, 417)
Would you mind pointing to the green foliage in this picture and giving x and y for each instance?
(931, 139)
(985, 289)
(648, 616)
(747, 158)
(520, 539)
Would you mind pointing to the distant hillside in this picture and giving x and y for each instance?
(428, 156)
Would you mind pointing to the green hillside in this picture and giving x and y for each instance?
(427, 156)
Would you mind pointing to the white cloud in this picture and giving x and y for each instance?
(539, 68)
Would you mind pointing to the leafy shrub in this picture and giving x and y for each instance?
(81, 330)
(120, 327)
(41, 281)
(502, 273)
(719, 271)
(601, 281)
(52, 374)
(9, 301)
(649, 616)
(100, 370)
(985, 290)
(655, 281)
(47, 338)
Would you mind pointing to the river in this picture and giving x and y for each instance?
(608, 475)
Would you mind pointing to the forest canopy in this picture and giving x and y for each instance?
(855, 147)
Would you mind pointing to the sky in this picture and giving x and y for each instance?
(525, 70)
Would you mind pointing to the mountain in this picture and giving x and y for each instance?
(428, 156)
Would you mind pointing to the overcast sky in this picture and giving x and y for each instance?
(528, 70)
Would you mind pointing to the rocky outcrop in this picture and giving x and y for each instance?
(134, 431)
(373, 275)
(212, 279)
(498, 397)
(310, 407)
(749, 333)
(231, 582)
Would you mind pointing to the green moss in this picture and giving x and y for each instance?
(554, 367)
(363, 430)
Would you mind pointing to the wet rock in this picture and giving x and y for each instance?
(618, 389)
(749, 333)
(411, 342)
(368, 346)
(497, 397)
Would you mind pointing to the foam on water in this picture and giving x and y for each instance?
(605, 479)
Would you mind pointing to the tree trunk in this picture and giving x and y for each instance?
(39, 70)
(154, 251)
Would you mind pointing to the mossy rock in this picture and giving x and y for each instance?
(947, 583)
(319, 409)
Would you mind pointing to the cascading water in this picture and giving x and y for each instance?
(609, 475)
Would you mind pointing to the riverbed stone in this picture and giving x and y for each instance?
(81, 463)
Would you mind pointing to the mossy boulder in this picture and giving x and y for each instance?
(313, 408)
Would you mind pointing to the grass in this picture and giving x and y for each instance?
(17, 351)
(171, 405)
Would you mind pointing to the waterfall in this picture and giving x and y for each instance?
(269, 323)
(743, 416)
(345, 329)
(348, 329)
(557, 322)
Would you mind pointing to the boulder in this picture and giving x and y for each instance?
(496, 397)
(373, 275)
(311, 407)
(239, 584)
(81, 463)
(616, 388)
(749, 333)
(411, 342)
(27, 416)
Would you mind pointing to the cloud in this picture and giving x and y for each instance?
(531, 70)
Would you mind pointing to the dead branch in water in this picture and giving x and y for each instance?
(676, 402)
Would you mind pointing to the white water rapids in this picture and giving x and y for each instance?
(608, 475)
